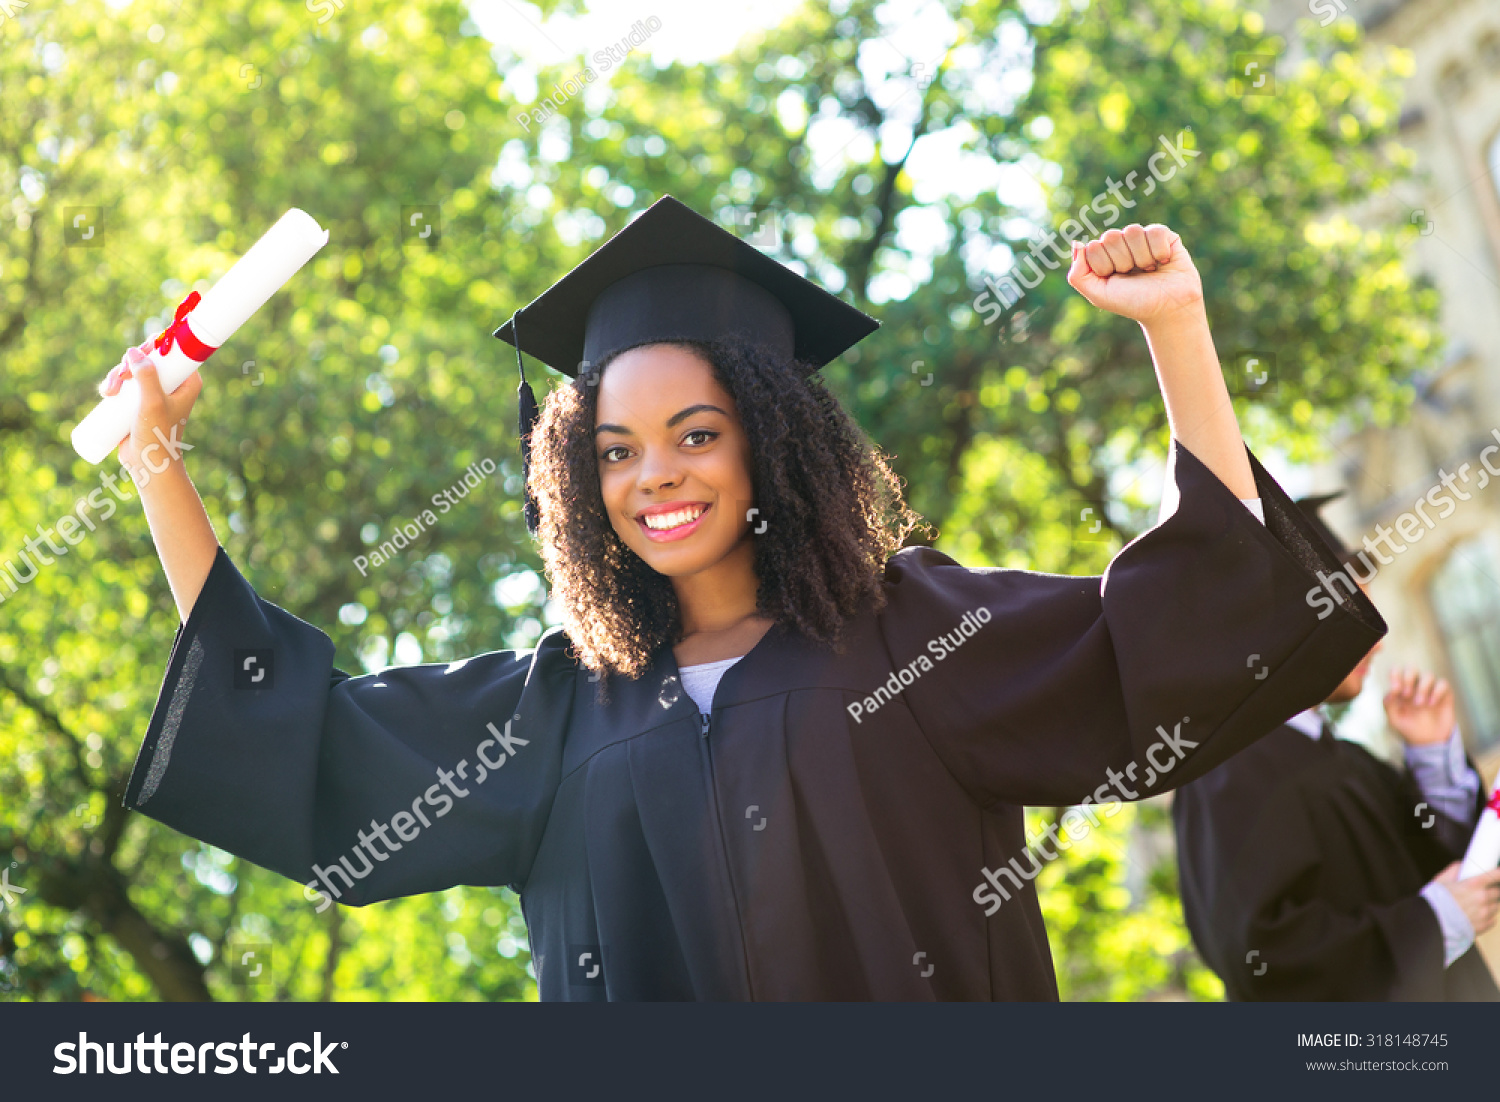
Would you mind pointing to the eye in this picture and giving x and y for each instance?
(701, 432)
(605, 456)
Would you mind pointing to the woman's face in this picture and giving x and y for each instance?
(674, 463)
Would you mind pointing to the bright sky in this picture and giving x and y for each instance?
(691, 31)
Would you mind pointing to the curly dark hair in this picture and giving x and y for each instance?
(833, 509)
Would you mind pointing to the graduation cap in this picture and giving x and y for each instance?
(1310, 507)
(673, 275)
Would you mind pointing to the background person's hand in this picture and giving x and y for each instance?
(160, 414)
(1419, 707)
(1162, 279)
(1478, 896)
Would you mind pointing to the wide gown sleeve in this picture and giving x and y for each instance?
(1203, 634)
(321, 776)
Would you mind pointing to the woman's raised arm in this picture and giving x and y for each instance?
(184, 537)
(1145, 273)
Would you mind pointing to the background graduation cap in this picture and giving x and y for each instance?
(1310, 507)
(673, 275)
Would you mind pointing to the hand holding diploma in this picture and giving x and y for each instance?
(1479, 896)
(160, 417)
(201, 326)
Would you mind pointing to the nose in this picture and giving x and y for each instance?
(660, 469)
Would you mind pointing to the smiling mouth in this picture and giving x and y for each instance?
(677, 521)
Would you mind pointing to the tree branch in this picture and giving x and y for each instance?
(863, 260)
(51, 720)
(96, 889)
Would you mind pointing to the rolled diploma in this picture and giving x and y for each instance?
(229, 303)
(1483, 853)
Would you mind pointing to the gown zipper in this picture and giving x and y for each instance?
(706, 722)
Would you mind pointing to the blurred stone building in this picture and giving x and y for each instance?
(1441, 593)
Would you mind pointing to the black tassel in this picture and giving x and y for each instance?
(529, 414)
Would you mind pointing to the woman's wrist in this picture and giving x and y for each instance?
(164, 479)
(1200, 411)
(1187, 320)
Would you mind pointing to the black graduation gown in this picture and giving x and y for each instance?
(791, 851)
(1311, 855)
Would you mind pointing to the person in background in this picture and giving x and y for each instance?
(1311, 869)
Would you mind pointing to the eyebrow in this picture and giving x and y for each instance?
(701, 407)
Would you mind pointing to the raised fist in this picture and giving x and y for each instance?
(1139, 272)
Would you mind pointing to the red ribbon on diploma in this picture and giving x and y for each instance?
(1493, 803)
(180, 332)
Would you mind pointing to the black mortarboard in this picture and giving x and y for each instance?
(673, 275)
(1310, 507)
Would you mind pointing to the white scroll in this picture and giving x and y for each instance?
(1483, 853)
(202, 326)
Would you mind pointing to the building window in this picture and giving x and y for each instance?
(1489, 51)
(1453, 83)
(1465, 595)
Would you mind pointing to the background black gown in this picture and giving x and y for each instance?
(789, 852)
(1309, 853)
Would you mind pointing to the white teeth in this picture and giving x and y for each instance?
(662, 521)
